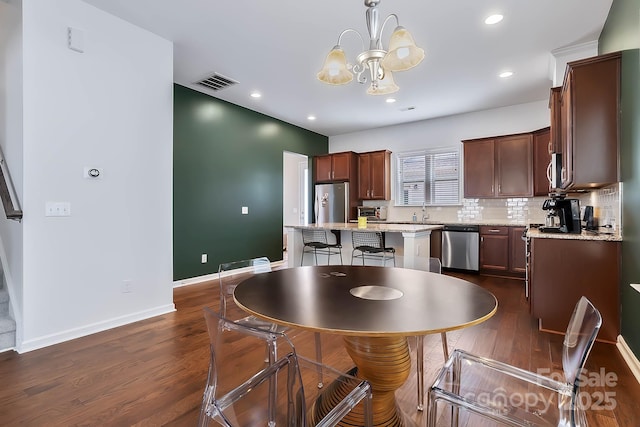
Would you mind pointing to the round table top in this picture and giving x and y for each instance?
(365, 300)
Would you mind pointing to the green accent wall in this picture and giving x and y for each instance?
(630, 163)
(226, 157)
(622, 32)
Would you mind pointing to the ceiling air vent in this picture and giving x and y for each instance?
(217, 82)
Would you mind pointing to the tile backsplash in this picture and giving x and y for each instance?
(517, 210)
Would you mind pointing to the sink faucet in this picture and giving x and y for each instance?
(425, 215)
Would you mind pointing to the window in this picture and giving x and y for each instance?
(430, 176)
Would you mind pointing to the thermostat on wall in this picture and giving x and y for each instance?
(92, 172)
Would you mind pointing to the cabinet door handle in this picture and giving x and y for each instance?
(494, 230)
(563, 174)
(550, 147)
(549, 172)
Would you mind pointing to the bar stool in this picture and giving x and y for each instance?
(370, 244)
(316, 241)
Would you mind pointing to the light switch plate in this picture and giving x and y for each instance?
(57, 209)
(245, 210)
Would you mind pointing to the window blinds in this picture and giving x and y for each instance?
(431, 176)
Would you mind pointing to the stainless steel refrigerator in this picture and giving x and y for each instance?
(332, 202)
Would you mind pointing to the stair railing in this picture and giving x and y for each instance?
(8, 194)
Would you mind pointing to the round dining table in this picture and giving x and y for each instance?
(375, 309)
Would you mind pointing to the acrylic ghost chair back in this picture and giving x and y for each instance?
(243, 390)
(486, 387)
(232, 273)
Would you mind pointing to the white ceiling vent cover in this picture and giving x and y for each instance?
(217, 82)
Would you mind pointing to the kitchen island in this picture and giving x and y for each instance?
(411, 241)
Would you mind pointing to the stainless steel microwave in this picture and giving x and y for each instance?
(373, 212)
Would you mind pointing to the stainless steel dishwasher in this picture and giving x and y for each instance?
(461, 247)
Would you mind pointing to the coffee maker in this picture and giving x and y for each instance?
(563, 215)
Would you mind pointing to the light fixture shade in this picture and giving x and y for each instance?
(403, 52)
(334, 71)
(384, 86)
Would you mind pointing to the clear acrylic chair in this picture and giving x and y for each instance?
(232, 273)
(242, 390)
(370, 244)
(435, 266)
(316, 241)
(513, 396)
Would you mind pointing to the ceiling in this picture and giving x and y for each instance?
(277, 47)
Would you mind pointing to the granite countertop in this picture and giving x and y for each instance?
(505, 222)
(585, 235)
(372, 226)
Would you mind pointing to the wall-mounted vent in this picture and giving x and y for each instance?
(217, 82)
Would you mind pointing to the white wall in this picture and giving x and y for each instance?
(111, 108)
(446, 131)
(11, 232)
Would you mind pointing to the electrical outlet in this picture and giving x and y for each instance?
(245, 210)
(127, 286)
(203, 258)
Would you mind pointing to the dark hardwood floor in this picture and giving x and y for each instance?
(153, 372)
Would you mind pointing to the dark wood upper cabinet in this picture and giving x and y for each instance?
(542, 150)
(514, 156)
(499, 167)
(335, 167)
(555, 110)
(322, 168)
(590, 111)
(374, 175)
(479, 161)
(343, 166)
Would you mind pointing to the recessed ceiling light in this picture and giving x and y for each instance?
(390, 100)
(256, 95)
(506, 74)
(311, 117)
(493, 19)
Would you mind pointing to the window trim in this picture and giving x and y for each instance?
(397, 183)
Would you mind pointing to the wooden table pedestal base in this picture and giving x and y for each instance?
(385, 362)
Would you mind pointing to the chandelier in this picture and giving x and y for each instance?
(402, 55)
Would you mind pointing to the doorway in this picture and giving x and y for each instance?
(295, 191)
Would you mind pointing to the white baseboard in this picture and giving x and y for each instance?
(70, 334)
(214, 276)
(629, 357)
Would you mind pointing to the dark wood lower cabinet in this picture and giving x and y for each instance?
(517, 250)
(502, 251)
(494, 248)
(563, 270)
